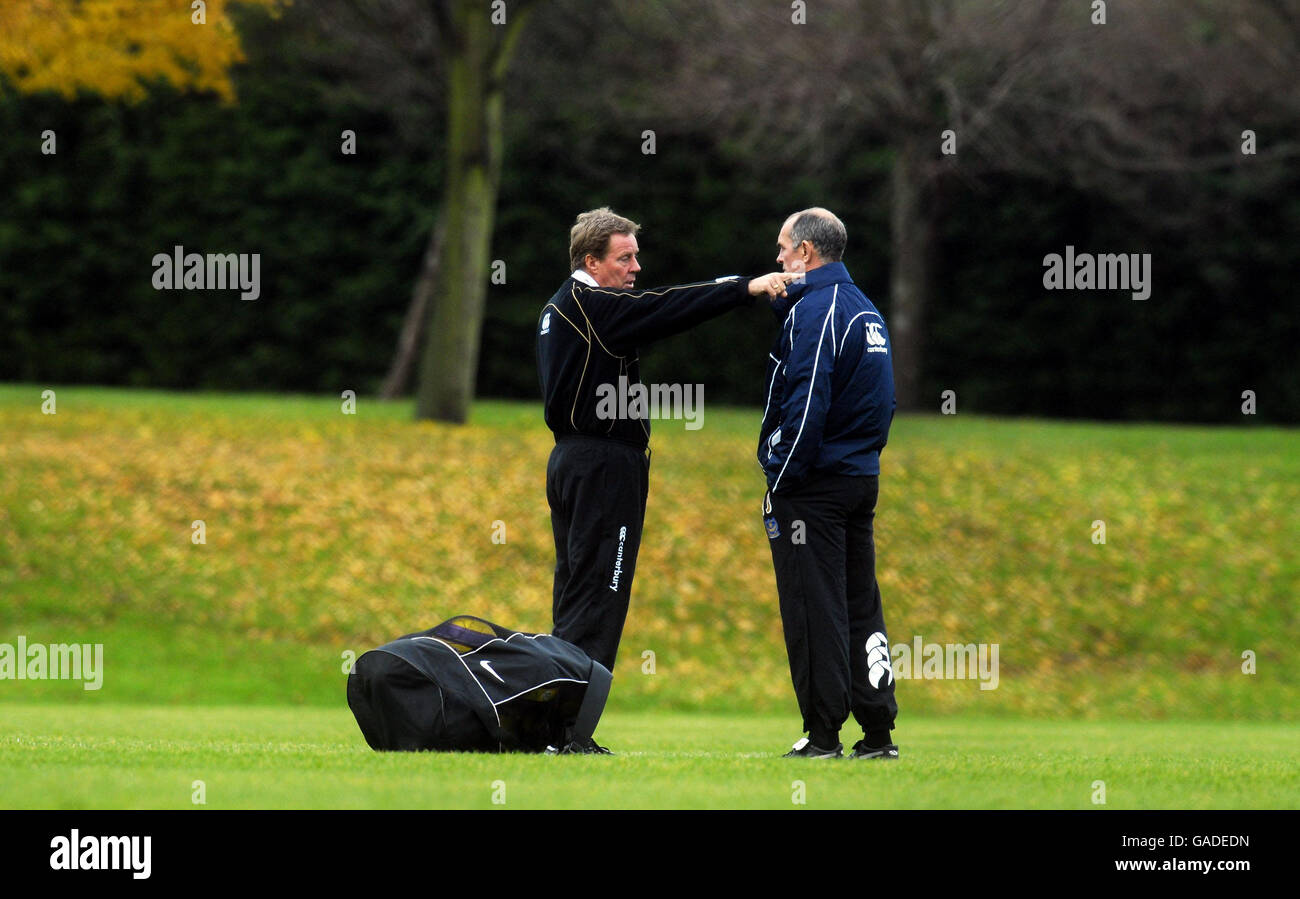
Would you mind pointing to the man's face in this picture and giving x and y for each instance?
(786, 252)
(619, 267)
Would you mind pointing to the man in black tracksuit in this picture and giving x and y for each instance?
(830, 402)
(598, 474)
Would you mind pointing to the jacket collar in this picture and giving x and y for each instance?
(822, 276)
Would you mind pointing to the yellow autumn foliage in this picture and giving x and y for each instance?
(332, 531)
(115, 48)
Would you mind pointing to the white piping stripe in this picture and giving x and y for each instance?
(554, 680)
(572, 680)
(812, 382)
(498, 639)
(835, 294)
(477, 682)
(770, 384)
(850, 324)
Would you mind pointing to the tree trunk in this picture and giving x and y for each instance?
(474, 144)
(411, 338)
(913, 236)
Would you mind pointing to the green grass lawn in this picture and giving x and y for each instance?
(146, 757)
(327, 534)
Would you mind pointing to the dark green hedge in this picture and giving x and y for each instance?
(341, 238)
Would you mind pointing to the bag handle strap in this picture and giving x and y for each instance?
(454, 633)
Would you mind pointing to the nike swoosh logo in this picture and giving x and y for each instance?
(487, 666)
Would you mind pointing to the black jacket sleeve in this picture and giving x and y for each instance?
(626, 319)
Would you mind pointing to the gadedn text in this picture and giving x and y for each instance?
(179, 270)
(53, 661)
(919, 660)
(91, 853)
(1101, 271)
(638, 401)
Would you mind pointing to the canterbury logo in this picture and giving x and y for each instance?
(487, 666)
(880, 672)
(618, 560)
(874, 337)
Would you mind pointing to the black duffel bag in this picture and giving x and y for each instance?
(470, 685)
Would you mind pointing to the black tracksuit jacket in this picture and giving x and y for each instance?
(588, 336)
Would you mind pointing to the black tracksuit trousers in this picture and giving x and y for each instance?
(830, 603)
(597, 492)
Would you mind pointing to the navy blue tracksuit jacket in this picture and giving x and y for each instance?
(830, 384)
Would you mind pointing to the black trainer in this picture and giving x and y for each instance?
(862, 751)
(804, 749)
(585, 747)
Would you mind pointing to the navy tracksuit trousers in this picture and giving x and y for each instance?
(824, 554)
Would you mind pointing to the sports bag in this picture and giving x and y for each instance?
(470, 685)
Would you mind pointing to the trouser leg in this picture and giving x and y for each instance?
(808, 557)
(874, 703)
(597, 491)
(559, 528)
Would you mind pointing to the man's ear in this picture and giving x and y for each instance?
(589, 263)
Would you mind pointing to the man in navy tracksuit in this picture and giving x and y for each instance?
(830, 402)
(597, 478)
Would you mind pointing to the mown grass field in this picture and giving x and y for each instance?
(328, 533)
(129, 757)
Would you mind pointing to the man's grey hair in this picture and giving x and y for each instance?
(592, 231)
(823, 230)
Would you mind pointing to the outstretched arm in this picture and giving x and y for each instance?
(625, 319)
